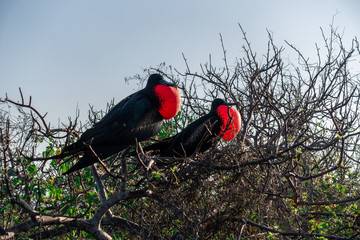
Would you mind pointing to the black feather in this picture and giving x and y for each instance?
(134, 118)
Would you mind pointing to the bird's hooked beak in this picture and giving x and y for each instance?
(166, 83)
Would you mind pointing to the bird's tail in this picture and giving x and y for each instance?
(86, 160)
(73, 148)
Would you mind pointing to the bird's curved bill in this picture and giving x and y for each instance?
(166, 83)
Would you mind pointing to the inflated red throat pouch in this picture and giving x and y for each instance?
(231, 122)
(169, 100)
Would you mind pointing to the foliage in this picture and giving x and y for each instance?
(292, 173)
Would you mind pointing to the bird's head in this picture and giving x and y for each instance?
(230, 118)
(156, 79)
(167, 94)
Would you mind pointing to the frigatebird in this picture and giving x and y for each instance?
(223, 121)
(135, 118)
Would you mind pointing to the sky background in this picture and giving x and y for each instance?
(68, 54)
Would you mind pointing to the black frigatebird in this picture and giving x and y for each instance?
(135, 118)
(222, 120)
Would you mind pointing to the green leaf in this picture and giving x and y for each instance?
(31, 169)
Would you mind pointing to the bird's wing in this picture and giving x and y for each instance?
(192, 137)
(119, 122)
(200, 131)
(116, 108)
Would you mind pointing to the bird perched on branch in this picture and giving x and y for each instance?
(135, 118)
(223, 121)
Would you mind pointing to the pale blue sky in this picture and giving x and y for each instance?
(68, 53)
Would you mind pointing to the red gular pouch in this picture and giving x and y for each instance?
(231, 122)
(169, 100)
